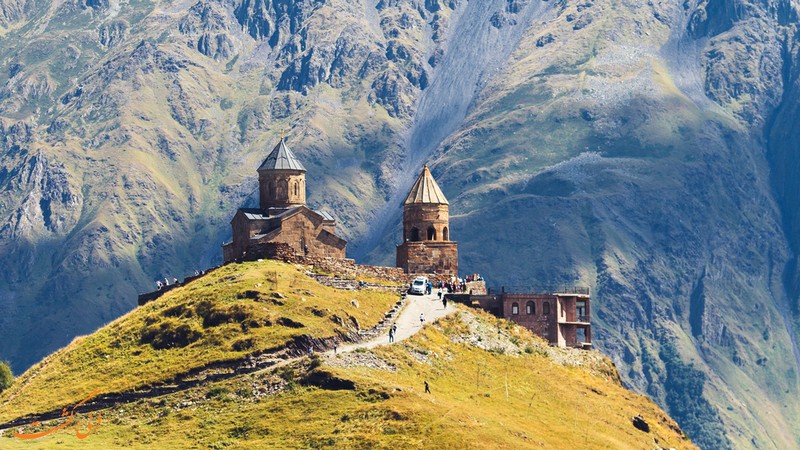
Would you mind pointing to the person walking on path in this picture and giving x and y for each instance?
(427, 388)
(439, 294)
(444, 303)
(391, 334)
(421, 319)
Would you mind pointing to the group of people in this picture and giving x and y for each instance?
(166, 282)
(453, 287)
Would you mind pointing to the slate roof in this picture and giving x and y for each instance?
(426, 190)
(281, 158)
(276, 213)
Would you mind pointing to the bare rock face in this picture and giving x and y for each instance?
(12, 11)
(207, 23)
(51, 204)
(333, 64)
(112, 33)
(274, 20)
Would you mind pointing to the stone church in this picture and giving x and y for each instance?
(282, 222)
(426, 246)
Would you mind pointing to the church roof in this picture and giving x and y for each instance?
(426, 190)
(280, 213)
(281, 158)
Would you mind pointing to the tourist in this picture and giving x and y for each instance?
(394, 328)
(439, 294)
(166, 281)
(444, 302)
(422, 318)
(427, 388)
(174, 280)
(159, 285)
(391, 336)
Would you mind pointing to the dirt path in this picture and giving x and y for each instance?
(408, 322)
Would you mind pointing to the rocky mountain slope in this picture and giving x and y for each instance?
(646, 149)
(232, 377)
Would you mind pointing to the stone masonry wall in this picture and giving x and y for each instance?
(428, 257)
(306, 236)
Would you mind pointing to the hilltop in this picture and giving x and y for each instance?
(493, 384)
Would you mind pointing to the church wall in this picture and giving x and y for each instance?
(242, 229)
(280, 189)
(306, 237)
(428, 257)
(422, 216)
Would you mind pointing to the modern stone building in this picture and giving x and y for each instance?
(562, 318)
(282, 217)
(426, 246)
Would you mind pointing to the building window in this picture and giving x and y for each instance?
(580, 311)
(296, 188)
(414, 235)
(431, 234)
(445, 234)
(530, 308)
(546, 308)
(515, 308)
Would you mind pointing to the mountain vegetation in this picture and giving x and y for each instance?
(645, 149)
(492, 383)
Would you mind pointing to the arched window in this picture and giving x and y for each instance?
(530, 308)
(296, 188)
(414, 235)
(431, 234)
(546, 308)
(445, 234)
(515, 308)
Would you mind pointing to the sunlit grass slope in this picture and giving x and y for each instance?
(234, 311)
(493, 385)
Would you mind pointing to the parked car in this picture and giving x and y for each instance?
(419, 286)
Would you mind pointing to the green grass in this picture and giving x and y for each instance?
(237, 310)
(549, 398)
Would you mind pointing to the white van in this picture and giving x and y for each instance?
(419, 286)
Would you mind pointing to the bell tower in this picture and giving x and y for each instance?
(426, 246)
(281, 179)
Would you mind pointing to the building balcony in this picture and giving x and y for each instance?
(579, 320)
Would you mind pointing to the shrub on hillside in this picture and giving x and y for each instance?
(6, 377)
(169, 334)
(214, 315)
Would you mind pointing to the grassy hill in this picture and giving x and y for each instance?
(237, 310)
(493, 384)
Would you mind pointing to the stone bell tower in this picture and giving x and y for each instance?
(426, 246)
(281, 179)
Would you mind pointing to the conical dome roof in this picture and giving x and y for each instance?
(281, 158)
(426, 190)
